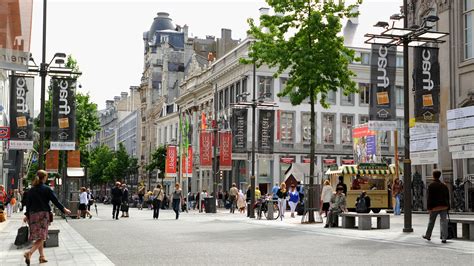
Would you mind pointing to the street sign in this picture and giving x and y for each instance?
(424, 145)
(461, 140)
(460, 112)
(4, 133)
(463, 154)
(382, 125)
(460, 132)
(469, 147)
(461, 123)
(427, 157)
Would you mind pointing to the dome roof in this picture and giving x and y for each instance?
(161, 22)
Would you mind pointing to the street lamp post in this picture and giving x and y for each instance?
(404, 36)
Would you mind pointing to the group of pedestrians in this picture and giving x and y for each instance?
(119, 200)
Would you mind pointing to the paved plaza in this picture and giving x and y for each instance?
(233, 239)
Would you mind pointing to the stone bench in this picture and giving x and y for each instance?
(467, 227)
(365, 220)
(53, 238)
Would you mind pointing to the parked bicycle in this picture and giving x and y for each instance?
(262, 207)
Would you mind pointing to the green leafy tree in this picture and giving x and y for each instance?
(101, 157)
(303, 38)
(158, 161)
(122, 162)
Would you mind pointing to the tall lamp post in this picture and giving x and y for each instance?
(406, 36)
(255, 103)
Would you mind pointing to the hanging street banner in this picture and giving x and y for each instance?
(382, 93)
(266, 130)
(205, 150)
(424, 144)
(225, 148)
(187, 163)
(52, 161)
(171, 161)
(21, 112)
(239, 130)
(426, 80)
(365, 144)
(461, 132)
(15, 34)
(63, 122)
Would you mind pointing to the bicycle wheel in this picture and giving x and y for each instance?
(276, 213)
(259, 212)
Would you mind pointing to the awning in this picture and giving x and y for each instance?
(350, 169)
(75, 172)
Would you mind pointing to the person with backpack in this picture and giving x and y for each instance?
(157, 199)
(363, 203)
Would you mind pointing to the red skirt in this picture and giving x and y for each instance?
(38, 222)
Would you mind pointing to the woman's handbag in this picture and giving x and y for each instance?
(50, 217)
(124, 207)
(22, 236)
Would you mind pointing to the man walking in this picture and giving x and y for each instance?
(233, 195)
(438, 203)
(116, 200)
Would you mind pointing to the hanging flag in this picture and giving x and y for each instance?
(187, 163)
(171, 161)
(63, 122)
(205, 149)
(74, 159)
(382, 111)
(52, 161)
(427, 84)
(203, 121)
(225, 148)
(21, 112)
(266, 130)
(239, 130)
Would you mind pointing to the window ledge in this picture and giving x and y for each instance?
(466, 62)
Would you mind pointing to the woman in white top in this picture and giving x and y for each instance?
(241, 202)
(83, 201)
(326, 195)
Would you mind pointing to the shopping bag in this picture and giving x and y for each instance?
(22, 236)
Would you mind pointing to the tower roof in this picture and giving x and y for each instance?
(161, 22)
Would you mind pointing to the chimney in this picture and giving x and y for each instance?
(185, 31)
(116, 99)
(108, 104)
(124, 95)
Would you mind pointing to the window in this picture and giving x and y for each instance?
(347, 121)
(226, 97)
(220, 103)
(363, 119)
(159, 136)
(164, 38)
(331, 97)
(365, 58)
(399, 62)
(328, 128)
(244, 90)
(470, 166)
(347, 99)
(468, 15)
(401, 128)
(399, 95)
(364, 93)
(383, 137)
(165, 138)
(286, 124)
(265, 87)
(237, 91)
(282, 87)
(306, 127)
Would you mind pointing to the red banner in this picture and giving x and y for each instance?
(225, 147)
(187, 163)
(171, 160)
(205, 149)
(52, 161)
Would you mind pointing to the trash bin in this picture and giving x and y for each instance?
(210, 205)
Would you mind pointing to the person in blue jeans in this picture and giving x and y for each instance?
(396, 190)
(294, 198)
(275, 189)
(177, 199)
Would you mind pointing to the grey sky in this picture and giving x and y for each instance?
(105, 36)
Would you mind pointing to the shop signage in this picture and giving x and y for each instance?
(63, 122)
(266, 124)
(4, 133)
(288, 160)
(225, 148)
(382, 97)
(373, 166)
(21, 112)
(426, 81)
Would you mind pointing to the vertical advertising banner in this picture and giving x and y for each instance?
(63, 122)
(187, 163)
(171, 161)
(382, 111)
(365, 144)
(225, 148)
(52, 161)
(15, 34)
(21, 112)
(205, 149)
(239, 130)
(266, 131)
(74, 159)
(427, 85)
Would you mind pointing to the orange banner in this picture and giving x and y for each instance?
(73, 159)
(52, 161)
(171, 160)
(187, 163)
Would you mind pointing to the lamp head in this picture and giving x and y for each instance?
(396, 17)
(432, 18)
(381, 24)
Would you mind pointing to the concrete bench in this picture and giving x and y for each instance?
(467, 227)
(365, 220)
(53, 238)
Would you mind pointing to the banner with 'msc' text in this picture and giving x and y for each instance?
(187, 162)
(171, 161)
(205, 150)
(63, 122)
(382, 111)
(21, 112)
(225, 148)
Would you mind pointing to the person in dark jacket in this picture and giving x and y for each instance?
(116, 200)
(438, 203)
(341, 183)
(38, 212)
(124, 206)
(363, 203)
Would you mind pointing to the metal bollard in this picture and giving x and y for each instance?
(270, 209)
